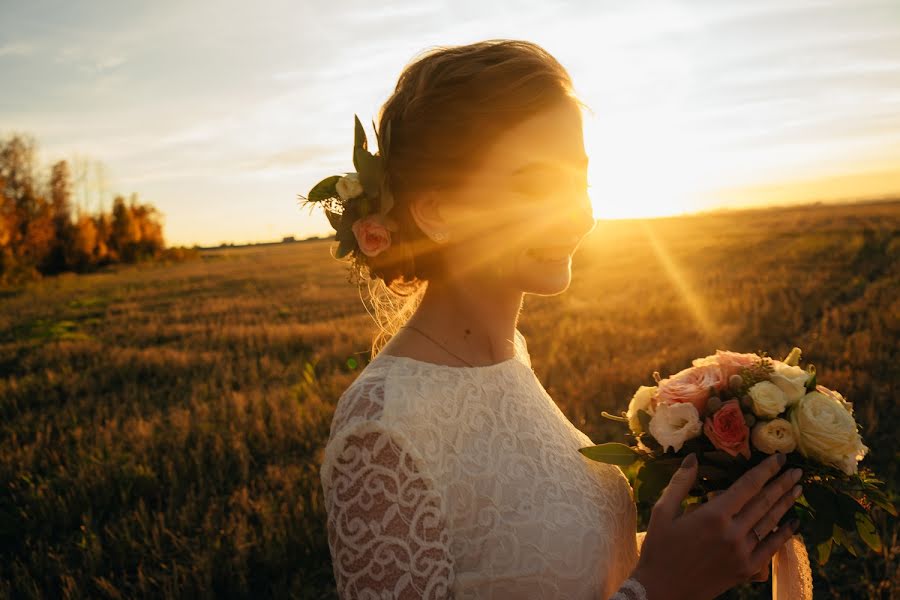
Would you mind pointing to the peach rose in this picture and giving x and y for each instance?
(731, 363)
(691, 385)
(728, 430)
(372, 234)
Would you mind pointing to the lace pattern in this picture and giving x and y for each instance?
(466, 482)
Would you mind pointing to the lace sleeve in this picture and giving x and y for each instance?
(386, 532)
(632, 589)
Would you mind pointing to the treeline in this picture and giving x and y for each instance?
(41, 235)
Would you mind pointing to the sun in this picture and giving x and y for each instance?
(645, 166)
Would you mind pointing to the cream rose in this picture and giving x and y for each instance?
(826, 431)
(642, 400)
(837, 396)
(791, 379)
(768, 399)
(673, 424)
(773, 436)
(349, 186)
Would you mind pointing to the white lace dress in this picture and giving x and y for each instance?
(466, 482)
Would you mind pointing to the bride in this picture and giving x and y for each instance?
(449, 471)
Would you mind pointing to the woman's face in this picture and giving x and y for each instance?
(517, 219)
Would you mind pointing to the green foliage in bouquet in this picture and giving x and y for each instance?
(835, 506)
(373, 197)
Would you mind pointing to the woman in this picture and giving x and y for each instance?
(449, 471)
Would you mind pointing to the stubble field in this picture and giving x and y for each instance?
(161, 426)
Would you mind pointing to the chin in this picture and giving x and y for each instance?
(545, 279)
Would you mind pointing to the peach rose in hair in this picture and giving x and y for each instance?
(372, 234)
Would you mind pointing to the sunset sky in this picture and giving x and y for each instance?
(220, 113)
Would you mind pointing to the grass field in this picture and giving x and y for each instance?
(162, 425)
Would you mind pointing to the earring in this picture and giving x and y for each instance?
(440, 236)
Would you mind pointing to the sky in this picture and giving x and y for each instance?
(220, 113)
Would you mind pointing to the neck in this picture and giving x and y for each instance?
(472, 322)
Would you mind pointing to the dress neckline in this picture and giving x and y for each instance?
(517, 357)
(432, 365)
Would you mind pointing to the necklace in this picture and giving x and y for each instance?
(439, 344)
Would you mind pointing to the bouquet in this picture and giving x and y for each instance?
(733, 410)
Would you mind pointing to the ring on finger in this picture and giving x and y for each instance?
(759, 538)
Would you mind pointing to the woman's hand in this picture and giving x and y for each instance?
(704, 552)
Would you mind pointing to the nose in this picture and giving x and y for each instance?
(571, 223)
(582, 219)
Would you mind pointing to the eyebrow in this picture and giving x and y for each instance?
(539, 165)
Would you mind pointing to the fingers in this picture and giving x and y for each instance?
(669, 504)
(772, 542)
(749, 484)
(762, 574)
(766, 508)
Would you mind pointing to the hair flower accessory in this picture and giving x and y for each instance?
(357, 203)
(348, 186)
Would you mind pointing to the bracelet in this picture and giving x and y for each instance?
(635, 591)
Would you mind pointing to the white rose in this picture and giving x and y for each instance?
(826, 431)
(640, 401)
(773, 436)
(768, 399)
(349, 186)
(791, 379)
(673, 424)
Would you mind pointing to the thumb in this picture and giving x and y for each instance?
(669, 504)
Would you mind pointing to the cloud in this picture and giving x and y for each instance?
(107, 62)
(291, 157)
(94, 60)
(16, 49)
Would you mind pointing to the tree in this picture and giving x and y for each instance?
(24, 214)
(126, 232)
(81, 248)
(61, 205)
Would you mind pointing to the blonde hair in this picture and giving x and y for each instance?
(448, 104)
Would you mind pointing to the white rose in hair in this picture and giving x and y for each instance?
(349, 186)
(768, 399)
(673, 424)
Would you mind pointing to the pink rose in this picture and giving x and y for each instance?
(730, 362)
(728, 430)
(691, 385)
(372, 234)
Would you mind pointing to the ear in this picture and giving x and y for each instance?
(425, 211)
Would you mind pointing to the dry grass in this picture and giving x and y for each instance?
(161, 427)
